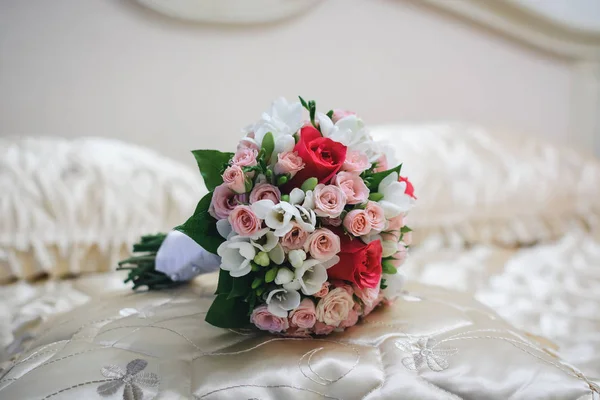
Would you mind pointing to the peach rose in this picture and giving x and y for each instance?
(322, 244)
(335, 307)
(224, 200)
(288, 162)
(351, 320)
(353, 187)
(266, 321)
(235, 179)
(324, 290)
(329, 200)
(303, 316)
(294, 239)
(357, 223)
(265, 191)
(323, 329)
(369, 309)
(356, 161)
(245, 157)
(244, 222)
(375, 215)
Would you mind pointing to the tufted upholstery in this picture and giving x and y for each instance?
(431, 344)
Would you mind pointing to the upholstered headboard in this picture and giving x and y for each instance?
(120, 69)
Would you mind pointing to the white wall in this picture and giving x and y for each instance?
(112, 68)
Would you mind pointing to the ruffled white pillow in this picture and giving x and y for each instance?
(71, 206)
(478, 186)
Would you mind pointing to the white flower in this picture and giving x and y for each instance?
(307, 219)
(394, 284)
(266, 242)
(309, 200)
(394, 201)
(280, 301)
(224, 228)
(284, 275)
(389, 247)
(277, 255)
(277, 216)
(351, 132)
(236, 254)
(283, 120)
(296, 196)
(296, 257)
(313, 273)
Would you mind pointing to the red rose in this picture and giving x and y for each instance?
(359, 263)
(322, 156)
(410, 189)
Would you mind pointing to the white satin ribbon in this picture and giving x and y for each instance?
(182, 259)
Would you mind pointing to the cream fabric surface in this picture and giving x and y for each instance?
(477, 185)
(72, 206)
(550, 289)
(431, 344)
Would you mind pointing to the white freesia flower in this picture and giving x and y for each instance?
(293, 285)
(307, 219)
(266, 242)
(224, 228)
(309, 200)
(283, 120)
(394, 201)
(296, 196)
(277, 216)
(280, 301)
(296, 257)
(236, 254)
(313, 273)
(394, 285)
(284, 275)
(277, 255)
(351, 132)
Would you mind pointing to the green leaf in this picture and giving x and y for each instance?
(388, 267)
(312, 111)
(202, 227)
(240, 287)
(227, 313)
(330, 114)
(210, 163)
(303, 102)
(405, 229)
(225, 282)
(376, 178)
(268, 145)
(271, 274)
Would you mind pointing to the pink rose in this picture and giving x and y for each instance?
(356, 161)
(351, 320)
(392, 232)
(322, 244)
(244, 222)
(400, 256)
(339, 114)
(235, 179)
(288, 162)
(329, 200)
(224, 200)
(323, 329)
(353, 187)
(369, 309)
(265, 191)
(323, 291)
(245, 157)
(248, 142)
(303, 316)
(294, 239)
(375, 215)
(357, 223)
(266, 321)
(335, 307)
(382, 164)
(369, 296)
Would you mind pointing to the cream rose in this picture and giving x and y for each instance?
(335, 307)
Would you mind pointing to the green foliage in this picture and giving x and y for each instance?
(405, 229)
(211, 164)
(240, 287)
(226, 312)
(268, 145)
(372, 180)
(202, 227)
(388, 267)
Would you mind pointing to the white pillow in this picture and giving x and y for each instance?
(70, 206)
(476, 186)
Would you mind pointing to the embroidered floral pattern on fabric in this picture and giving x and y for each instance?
(424, 350)
(130, 378)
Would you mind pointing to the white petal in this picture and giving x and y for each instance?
(291, 300)
(284, 143)
(296, 196)
(280, 232)
(247, 250)
(325, 123)
(269, 241)
(297, 257)
(244, 269)
(393, 177)
(262, 207)
(284, 275)
(273, 293)
(293, 285)
(309, 200)
(277, 255)
(394, 285)
(390, 210)
(389, 248)
(224, 227)
(331, 262)
(317, 277)
(275, 309)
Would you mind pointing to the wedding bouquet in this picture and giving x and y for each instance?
(305, 222)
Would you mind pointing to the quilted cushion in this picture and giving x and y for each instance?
(431, 344)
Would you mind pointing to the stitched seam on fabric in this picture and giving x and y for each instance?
(76, 386)
(267, 387)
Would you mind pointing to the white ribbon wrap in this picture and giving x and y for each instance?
(182, 259)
